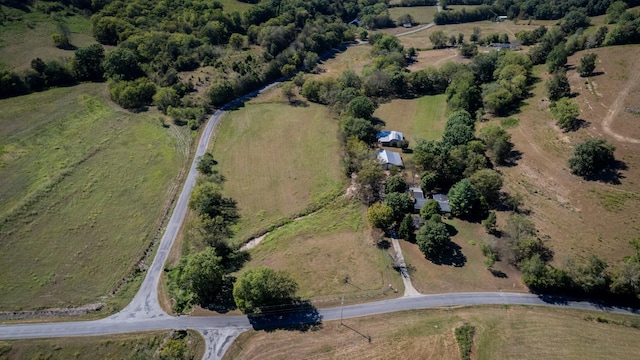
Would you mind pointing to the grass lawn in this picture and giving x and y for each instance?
(84, 188)
(24, 40)
(330, 254)
(502, 332)
(420, 14)
(421, 118)
(353, 58)
(126, 346)
(464, 272)
(278, 160)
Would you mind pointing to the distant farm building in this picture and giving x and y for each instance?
(443, 202)
(418, 197)
(390, 138)
(389, 159)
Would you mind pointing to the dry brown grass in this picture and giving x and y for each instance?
(420, 40)
(278, 159)
(420, 14)
(330, 254)
(473, 275)
(581, 217)
(513, 332)
(353, 58)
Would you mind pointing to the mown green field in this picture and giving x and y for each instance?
(126, 346)
(501, 332)
(420, 14)
(278, 160)
(84, 188)
(329, 253)
(421, 118)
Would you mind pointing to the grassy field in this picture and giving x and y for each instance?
(234, 5)
(278, 159)
(603, 216)
(30, 37)
(420, 40)
(353, 58)
(84, 188)
(126, 346)
(421, 118)
(420, 14)
(330, 254)
(502, 332)
(466, 271)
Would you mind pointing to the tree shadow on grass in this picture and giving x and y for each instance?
(451, 256)
(299, 315)
(223, 302)
(498, 273)
(611, 175)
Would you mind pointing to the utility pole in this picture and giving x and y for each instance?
(341, 306)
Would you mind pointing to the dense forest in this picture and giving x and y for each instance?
(519, 9)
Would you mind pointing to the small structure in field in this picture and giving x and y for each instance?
(389, 159)
(443, 202)
(418, 197)
(390, 138)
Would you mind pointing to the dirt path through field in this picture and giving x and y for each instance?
(617, 106)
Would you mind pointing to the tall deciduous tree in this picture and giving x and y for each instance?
(587, 64)
(258, 289)
(463, 198)
(201, 273)
(591, 157)
(487, 183)
(566, 114)
(433, 238)
(558, 86)
(380, 216)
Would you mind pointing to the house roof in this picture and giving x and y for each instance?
(388, 136)
(389, 157)
(443, 201)
(418, 197)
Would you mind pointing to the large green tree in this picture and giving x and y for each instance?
(463, 198)
(591, 157)
(380, 216)
(86, 63)
(587, 64)
(433, 238)
(207, 199)
(566, 114)
(487, 183)
(257, 290)
(400, 203)
(201, 273)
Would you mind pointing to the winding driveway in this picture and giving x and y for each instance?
(144, 312)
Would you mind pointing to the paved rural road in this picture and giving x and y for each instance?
(144, 312)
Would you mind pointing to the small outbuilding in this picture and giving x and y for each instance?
(389, 159)
(443, 202)
(390, 138)
(418, 197)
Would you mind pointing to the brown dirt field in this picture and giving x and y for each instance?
(436, 58)
(502, 332)
(582, 217)
(429, 278)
